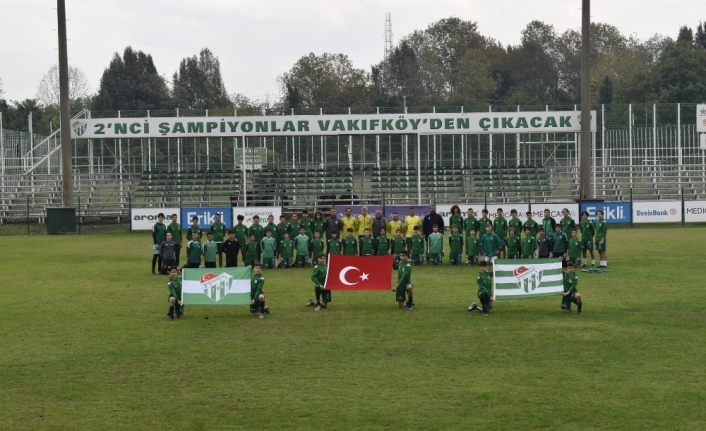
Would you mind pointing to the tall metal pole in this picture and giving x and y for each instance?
(585, 143)
(67, 180)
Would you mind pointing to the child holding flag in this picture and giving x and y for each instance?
(571, 294)
(174, 286)
(319, 277)
(257, 295)
(485, 290)
(404, 282)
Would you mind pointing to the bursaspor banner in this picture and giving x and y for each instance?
(216, 286)
(383, 124)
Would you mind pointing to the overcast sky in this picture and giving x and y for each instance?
(258, 40)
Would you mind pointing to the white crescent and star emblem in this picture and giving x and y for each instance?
(344, 271)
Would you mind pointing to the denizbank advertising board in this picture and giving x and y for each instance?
(421, 124)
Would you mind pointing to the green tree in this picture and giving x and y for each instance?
(131, 82)
(606, 91)
(686, 37)
(328, 80)
(48, 88)
(198, 84)
(700, 37)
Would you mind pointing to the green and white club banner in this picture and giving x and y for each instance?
(215, 286)
(524, 278)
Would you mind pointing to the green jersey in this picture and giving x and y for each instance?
(280, 229)
(399, 244)
(382, 245)
(194, 229)
(273, 228)
(455, 243)
(317, 246)
(159, 233)
(567, 225)
(575, 248)
(251, 250)
(571, 282)
(257, 283)
(257, 230)
(308, 225)
(174, 287)
(416, 244)
(482, 223)
(404, 274)
(435, 242)
(301, 245)
(318, 276)
(561, 242)
(219, 231)
(533, 227)
(500, 227)
(491, 244)
(367, 243)
(210, 250)
(241, 232)
(268, 247)
(286, 249)
(513, 245)
(588, 230)
(333, 246)
(601, 229)
(294, 228)
(456, 220)
(529, 245)
(484, 283)
(175, 229)
(350, 246)
(319, 226)
(548, 223)
(470, 223)
(516, 224)
(193, 252)
(472, 245)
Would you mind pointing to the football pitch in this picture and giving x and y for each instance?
(85, 344)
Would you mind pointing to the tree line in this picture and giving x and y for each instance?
(450, 63)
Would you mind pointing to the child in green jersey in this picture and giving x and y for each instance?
(455, 246)
(301, 245)
(251, 251)
(194, 228)
(575, 248)
(273, 228)
(280, 229)
(560, 243)
(513, 243)
(515, 223)
(472, 247)
(241, 234)
(159, 234)
(588, 231)
(210, 250)
(567, 223)
(175, 229)
(259, 232)
(399, 244)
(382, 243)
(571, 294)
(366, 243)
(601, 241)
(404, 282)
(286, 251)
(485, 290)
(350, 244)
(416, 245)
(317, 244)
(531, 224)
(319, 277)
(490, 245)
(500, 228)
(174, 286)
(435, 245)
(268, 245)
(529, 244)
(456, 218)
(218, 229)
(193, 252)
(333, 245)
(257, 294)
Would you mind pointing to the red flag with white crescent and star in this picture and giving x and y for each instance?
(359, 272)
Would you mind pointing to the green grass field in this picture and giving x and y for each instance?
(85, 344)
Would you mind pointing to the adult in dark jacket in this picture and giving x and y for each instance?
(333, 224)
(379, 222)
(431, 219)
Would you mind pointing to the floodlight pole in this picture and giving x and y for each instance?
(585, 141)
(67, 181)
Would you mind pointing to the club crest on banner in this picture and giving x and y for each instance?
(79, 127)
(528, 279)
(215, 286)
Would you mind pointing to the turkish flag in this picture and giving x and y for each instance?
(359, 272)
